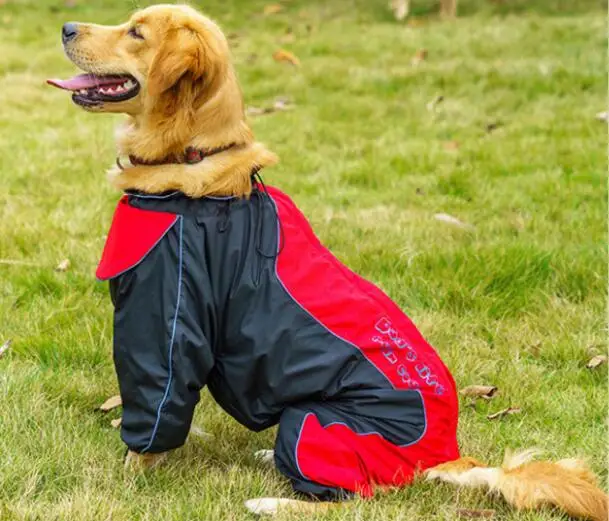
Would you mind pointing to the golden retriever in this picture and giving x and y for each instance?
(169, 69)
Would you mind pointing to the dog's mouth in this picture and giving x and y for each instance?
(91, 90)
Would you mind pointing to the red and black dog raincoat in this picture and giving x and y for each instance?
(240, 296)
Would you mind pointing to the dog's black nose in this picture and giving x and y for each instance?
(69, 32)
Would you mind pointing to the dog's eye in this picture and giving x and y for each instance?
(134, 33)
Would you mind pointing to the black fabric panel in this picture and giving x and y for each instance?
(159, 394)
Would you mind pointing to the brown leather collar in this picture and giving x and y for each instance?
(190, 156)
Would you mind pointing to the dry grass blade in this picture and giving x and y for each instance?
(444, 217)
(475, 514)
(257, 111)
(5, 347)
(200, 433)
(504, 412)
(64, 265)
(416, 22)
(116, 423)
(433, 104)
(270, 9)
(596, 361)
(279, 105)
(16, 262)
(288, 37)
(603, 116)
(485, 392)
(286, 56)
(111, 403)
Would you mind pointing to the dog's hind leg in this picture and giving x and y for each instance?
(274, 505)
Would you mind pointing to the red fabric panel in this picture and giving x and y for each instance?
(336, 456)
(330, 460)
(360, 313)
(133, 234)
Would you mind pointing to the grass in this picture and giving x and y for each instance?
(518, 301)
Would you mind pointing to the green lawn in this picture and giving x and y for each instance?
(517, 300)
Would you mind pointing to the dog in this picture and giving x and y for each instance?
(218, 280)
(401, 8)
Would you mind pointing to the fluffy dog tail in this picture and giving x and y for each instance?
(568, 484)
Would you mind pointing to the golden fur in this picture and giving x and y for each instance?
(525, 484)
(189, 98)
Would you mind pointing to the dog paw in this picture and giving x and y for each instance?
(266, 457)
(138, 462)
(270, 506)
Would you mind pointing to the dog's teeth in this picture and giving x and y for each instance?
(120, 88)
(129, 84)
(83, 91)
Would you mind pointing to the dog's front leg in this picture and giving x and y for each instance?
(135, 461)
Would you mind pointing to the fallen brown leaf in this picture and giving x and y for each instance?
(419, 57)
(504, 412)
(475, 514)
(5, 347)
(451, 145)
(111, 403)
(444, 217)
(286, 56)
(597, 360)
(70, 3)
(64, 265)
(116, 423)
(270, 9)
(486, 392)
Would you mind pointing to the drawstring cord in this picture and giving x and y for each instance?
(262, 193)
(262, 197)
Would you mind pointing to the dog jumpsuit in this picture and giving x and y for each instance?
(240, 296)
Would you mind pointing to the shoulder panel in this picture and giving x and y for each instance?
(133, 234)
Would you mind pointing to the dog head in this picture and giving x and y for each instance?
(164, 55)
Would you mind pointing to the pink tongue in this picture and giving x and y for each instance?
(86, 81)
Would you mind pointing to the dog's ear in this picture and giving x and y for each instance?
(187, 54)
